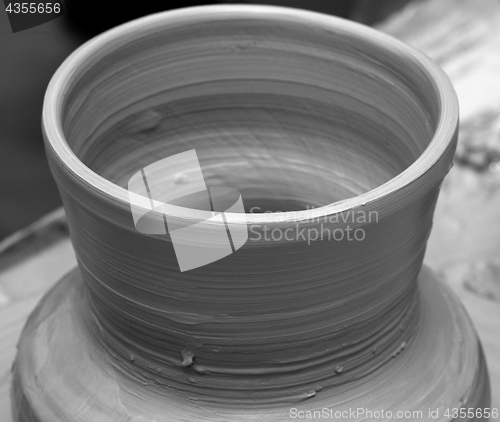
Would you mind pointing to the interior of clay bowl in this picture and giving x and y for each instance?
(292, 113)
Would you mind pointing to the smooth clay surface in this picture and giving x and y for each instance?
(295, 110)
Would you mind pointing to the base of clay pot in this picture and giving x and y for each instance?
(62, 373)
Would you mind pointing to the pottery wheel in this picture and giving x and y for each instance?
(442, 358)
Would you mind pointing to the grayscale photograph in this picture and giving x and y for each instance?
(261, 211)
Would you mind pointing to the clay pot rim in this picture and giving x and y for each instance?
(62, 82)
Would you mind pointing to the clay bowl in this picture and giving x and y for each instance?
(339, 127)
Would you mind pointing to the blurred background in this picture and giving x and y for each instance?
(29, 58)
